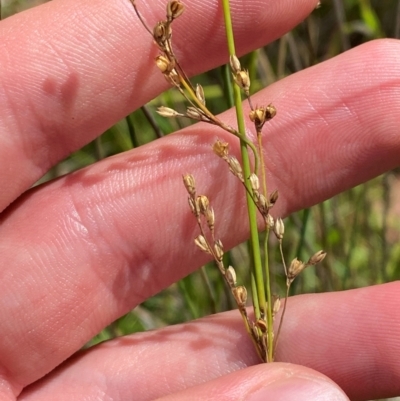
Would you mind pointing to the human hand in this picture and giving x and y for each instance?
(83, 250)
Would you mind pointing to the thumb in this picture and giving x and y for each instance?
(275, 381)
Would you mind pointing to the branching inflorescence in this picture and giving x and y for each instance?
(265, 305)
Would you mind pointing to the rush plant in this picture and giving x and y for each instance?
(250, 171)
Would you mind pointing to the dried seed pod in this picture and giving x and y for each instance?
(254, 182)
(161, 33)
(263, 204)
(317, 258)
(257, 116)
(276, 305)
(235, 64)
(254, 332)
(234, 166)
(194, 112)
(240, 294)
(230, 275)
(203, 203)
(174, 9)
(164, 64)
(256, 196)
(201, 242)
(189, 183)
(218, 250)
(262, 325)
(242, 79)
(173, 78)
(200, 94)
(168, 112)
(270, 221)
(279, 228)
(205, 118)
(210, 218)
(270, 111)
(221, 149)
(273, 197)
(260, 115)
(295, 268)
(193, 206)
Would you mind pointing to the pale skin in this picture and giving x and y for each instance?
(83, 250)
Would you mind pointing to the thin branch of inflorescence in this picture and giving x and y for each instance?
(260, 329)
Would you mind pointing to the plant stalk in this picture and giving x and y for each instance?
(252, 211)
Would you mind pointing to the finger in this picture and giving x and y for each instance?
(278, 382)
(100, 241)
(258, 383)
(352, 337)
(71, 69)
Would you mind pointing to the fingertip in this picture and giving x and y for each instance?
(308, 385)
(274, 381)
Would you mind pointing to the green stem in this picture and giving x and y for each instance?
(270, 321)
(227, 78)
(252, 211)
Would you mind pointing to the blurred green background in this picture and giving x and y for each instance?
(360, 229)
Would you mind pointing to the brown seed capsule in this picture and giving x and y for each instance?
(174, 9)
(262, 325)
(210, 218)
(254, 182)
(257, 116)
(234, 165)
(168, 112)
(189, 183)
(235, 64)
(270, 221)
(240, 294)
(255, 332)
(276, 305)
(260, 115)
(201, 242)
(200, 94)
(317, 258)
(194, 113)
(279, 228)
(203, 203)
(230, 275)
(270, 112)
(193, 206)
(164, 64)
(161, 32)
(173, 78)
(221, 149)
(295, 268)
(242, 79)
(273, 197)
(219, 250)
(263, 204)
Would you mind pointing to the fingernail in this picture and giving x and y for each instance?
(298, 389)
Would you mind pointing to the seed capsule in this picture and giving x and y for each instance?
(317, 258)
(189, 183)
(174, 9)
(240, 294)
(230, 275)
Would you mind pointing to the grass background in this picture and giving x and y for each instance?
(360, 228)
